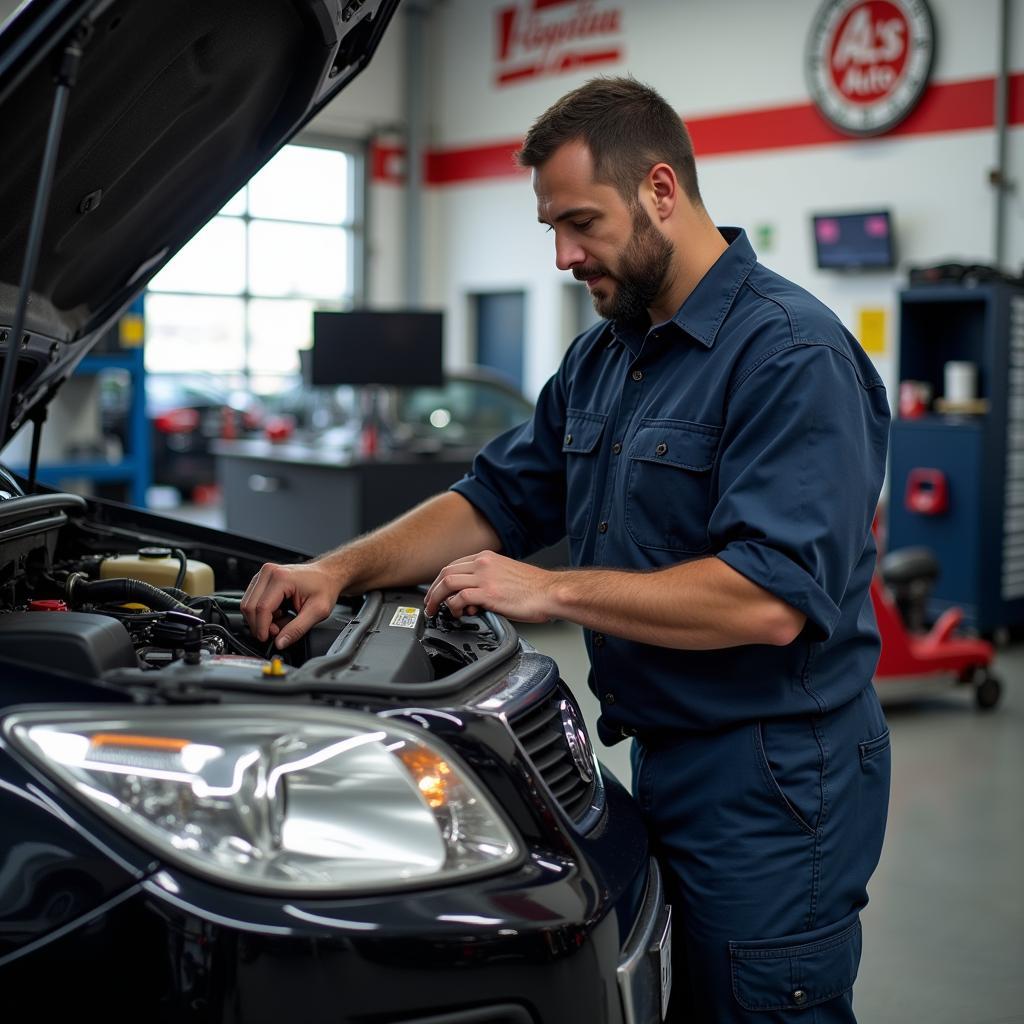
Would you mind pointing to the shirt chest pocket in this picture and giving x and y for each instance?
(668, 487)
(583, 432)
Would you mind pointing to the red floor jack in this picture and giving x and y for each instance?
(899, 593)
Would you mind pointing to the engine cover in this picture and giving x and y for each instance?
(79, 643)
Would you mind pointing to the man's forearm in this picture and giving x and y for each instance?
(414, 547)
(700, 605)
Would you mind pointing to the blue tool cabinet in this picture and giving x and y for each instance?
(957, 479)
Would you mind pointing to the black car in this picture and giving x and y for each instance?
(395, 821)
(472, 406)
(186, 413)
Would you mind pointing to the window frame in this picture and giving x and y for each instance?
(355, 228)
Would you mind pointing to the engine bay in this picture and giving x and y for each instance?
(97, 590)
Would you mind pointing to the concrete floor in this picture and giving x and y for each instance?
(944, 931)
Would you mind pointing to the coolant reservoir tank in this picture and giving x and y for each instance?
(159, 568)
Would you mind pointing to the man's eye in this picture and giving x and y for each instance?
(582, 225)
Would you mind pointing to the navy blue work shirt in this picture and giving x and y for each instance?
(751, 427)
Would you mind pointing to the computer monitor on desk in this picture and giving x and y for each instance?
(393, 349)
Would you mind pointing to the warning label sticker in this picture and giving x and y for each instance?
(405, 617)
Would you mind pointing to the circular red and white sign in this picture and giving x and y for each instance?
(868, 62)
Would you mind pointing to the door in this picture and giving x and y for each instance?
(500, 340)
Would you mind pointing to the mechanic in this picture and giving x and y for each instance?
(714, 450)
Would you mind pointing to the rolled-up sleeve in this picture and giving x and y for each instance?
(799, 473)
(518, 480)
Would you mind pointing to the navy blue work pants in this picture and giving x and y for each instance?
(767, 834)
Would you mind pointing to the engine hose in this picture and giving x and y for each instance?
(182, 566)
(14, 509)
(83, 591)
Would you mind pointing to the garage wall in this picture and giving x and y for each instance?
(711, 60)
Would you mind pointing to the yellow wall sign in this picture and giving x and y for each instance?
(871, 330)
(131, 330)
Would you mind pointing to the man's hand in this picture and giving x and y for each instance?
(312, 589)
(492, 581)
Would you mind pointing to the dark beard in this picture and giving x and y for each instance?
(641, 275)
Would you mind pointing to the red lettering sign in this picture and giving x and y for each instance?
(547, 37)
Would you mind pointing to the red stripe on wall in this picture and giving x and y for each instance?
(952, 106)
(1015, 100)
(945, 107)
(448, 166)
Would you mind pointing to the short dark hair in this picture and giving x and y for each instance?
(627, 127)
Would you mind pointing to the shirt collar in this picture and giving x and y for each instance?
(706, 307)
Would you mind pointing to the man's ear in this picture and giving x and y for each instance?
(662, 188)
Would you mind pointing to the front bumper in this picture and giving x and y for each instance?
(534, 949)
(645, 967)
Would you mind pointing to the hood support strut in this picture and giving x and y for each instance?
(67, 73)
(38, 419)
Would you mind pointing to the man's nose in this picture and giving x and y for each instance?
(568, 254)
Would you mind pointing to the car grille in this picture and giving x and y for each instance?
(541, 731)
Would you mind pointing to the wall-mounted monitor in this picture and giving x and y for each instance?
(397, 349)
(854, 241)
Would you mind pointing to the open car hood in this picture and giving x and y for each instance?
(175, 106)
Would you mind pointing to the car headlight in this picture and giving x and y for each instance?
(280, 800)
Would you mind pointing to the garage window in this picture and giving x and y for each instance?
(239, 298)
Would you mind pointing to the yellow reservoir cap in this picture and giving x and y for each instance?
(159, 572)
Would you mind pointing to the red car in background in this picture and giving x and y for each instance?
(186, 412)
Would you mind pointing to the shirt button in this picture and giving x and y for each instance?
(599, 640)
(568, 438)
(799, 997)
(616, 448)
(609, 698)
(602, 527)
(661, 449)
(638, 375)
